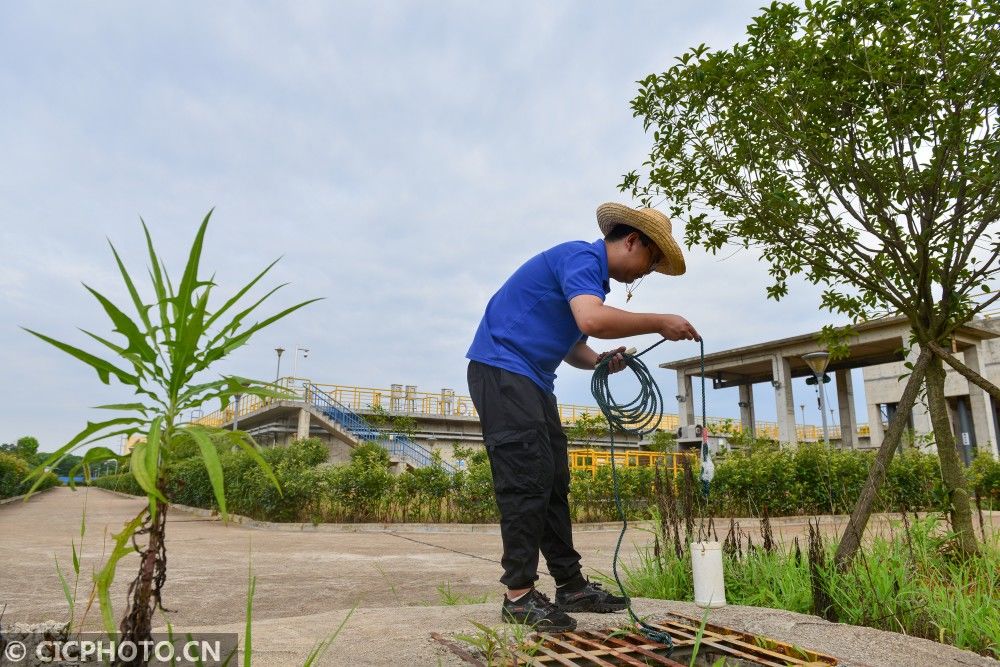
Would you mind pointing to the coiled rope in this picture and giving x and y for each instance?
(639, 417)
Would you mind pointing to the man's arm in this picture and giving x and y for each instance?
(601, 321)
(583, 356)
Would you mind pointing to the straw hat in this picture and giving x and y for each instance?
(650, 222)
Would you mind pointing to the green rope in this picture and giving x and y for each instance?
(638, 417)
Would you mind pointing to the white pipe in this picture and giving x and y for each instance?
(706, 566)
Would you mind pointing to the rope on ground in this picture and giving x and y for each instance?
(638, 417)
(442, 547)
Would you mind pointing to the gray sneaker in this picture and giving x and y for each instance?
(536, 610)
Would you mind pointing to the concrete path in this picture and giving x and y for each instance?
(307, 581)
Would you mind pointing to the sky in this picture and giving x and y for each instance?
(401, 158)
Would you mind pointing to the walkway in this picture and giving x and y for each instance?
(307, 581)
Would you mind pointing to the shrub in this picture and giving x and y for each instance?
(249, 491)
(473, 498)
(984, 478)
(762, 479)
(122, 482)
(13, 473)
(812, 479)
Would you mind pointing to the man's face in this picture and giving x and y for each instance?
(638, 260)
(632, 260)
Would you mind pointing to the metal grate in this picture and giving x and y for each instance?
(611, 648)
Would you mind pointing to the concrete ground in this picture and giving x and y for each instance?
(398, 582)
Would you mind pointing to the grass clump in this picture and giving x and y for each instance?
(910, 581)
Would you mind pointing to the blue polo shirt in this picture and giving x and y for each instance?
(528, 327)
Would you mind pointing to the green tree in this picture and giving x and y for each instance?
(165, 350)
(25, 448)
(387, 423)
(662, 441)
(587, 428)
(853, 143)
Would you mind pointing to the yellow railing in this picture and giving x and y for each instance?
(446, 403)
(592, 459)
(247, 405)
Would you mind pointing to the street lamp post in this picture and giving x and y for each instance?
(277, 373)
(802, 408)
(295, 360)
(817, 363)
(236, 409)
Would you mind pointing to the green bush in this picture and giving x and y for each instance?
(762, 479)
(473, 497)
(984, 478)
(248, 490)
(592, 496)
(812, 479)
(13, 471)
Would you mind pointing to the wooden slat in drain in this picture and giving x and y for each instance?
(614, 648)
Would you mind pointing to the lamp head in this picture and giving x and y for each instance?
(817, 361)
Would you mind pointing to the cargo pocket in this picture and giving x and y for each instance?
(518, 467)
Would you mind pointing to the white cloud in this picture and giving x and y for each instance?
(403, 159)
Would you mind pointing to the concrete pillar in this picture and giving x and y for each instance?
(784, 400)
(845, 401)
(983, 413)
(747, 420)
(921, 415)
(685, 409)
(302, 432)
(876, 434)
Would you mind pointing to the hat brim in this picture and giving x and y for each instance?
(653, 224)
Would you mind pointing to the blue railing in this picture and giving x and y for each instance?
(398, 445)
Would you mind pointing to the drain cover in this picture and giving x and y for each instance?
(718, 646)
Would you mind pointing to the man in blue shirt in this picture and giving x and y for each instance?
(541, 317)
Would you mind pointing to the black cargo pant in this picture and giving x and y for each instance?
(527, 450)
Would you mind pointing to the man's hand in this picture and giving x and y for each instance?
(675, 327)
(617, 362)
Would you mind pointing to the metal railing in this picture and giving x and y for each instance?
(592, 459)
(247, 405)
(397, 444)
(430, 404)
(411, 402)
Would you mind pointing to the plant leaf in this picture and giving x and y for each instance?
(243, 290)
(104, 578)
(140, 471)
(55, 457)
(90, 457)
(64, 583)
(189, 279)
(141, 308)
(210, 458)
(142, 407)
(125, 326)
(245, 335)
(104, 368)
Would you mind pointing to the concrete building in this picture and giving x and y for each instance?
(343, 416)
(878, 348)
(975, 415)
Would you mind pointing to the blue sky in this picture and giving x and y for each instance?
(402, 158)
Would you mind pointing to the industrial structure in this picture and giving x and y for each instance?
(879, 348)
(345, 415)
